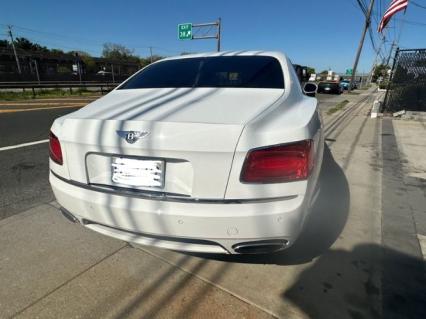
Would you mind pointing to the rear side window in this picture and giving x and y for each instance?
(233, 71)
(165, 75)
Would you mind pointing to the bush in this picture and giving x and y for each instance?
(63, 69)
(383, 85)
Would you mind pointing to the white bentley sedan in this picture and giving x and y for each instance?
(211, 153)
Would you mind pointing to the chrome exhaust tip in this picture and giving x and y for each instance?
(260, 247)
(69, 216)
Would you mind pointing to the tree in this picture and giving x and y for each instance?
(118, 52)
(56, 51)
(4, 44)
(78, 53)
(89, 64)
(380, 70)
(311, 70)
(63, 69)
(156, 57)
(27, 45)
(147, 60)
(86, 58)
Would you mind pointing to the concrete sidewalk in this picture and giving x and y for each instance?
(53, 269)
(50, 268)
(411, 138)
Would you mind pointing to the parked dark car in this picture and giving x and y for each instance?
(329, 87)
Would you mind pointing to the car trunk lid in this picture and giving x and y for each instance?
(192, 139)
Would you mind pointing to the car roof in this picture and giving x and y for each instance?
(275, 54)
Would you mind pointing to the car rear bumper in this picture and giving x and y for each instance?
(188, 226)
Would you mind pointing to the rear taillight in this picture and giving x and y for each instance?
(278, 164)
(55, 151)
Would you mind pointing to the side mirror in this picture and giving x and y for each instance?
(310, 89)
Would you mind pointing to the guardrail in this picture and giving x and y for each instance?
(34, 86)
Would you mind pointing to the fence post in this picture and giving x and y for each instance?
(385, 101)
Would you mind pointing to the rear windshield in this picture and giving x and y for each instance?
(326, 85)
(232, 72)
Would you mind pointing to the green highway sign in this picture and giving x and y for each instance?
(349, 71)
(185, 31)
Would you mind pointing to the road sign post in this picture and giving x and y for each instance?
(349, 71)
(185, 31)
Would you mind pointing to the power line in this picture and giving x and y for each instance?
(54, 45)
(411, 22)
(362, 6)
(376, 15)
(373, 44)
(92, 42)
(61, 36)
(9, 27)
(417, 5)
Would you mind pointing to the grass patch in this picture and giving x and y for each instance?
(338, 107)
(28, 94)
(365, 87)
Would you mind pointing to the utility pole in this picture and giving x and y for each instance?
(385, 101)
(390, 53)
(373, 68)
(361, 42)
(14, 50)
(78, 64)
(112, 73)
(150, 51)
(79, 68)
(36, 69)
(219, 26)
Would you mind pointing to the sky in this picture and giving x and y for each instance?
(323, 34)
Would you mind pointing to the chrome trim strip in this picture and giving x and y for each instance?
(164, 196)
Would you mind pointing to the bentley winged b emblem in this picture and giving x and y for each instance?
(132, 136)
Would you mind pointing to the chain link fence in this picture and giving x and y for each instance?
(407, 87)
(45, 67)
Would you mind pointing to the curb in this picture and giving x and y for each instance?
(377, 105)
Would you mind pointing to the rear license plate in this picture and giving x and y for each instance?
(130, 172)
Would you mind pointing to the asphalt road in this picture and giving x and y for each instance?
(23, 127)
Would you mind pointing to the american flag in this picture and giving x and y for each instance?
(394, 7)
